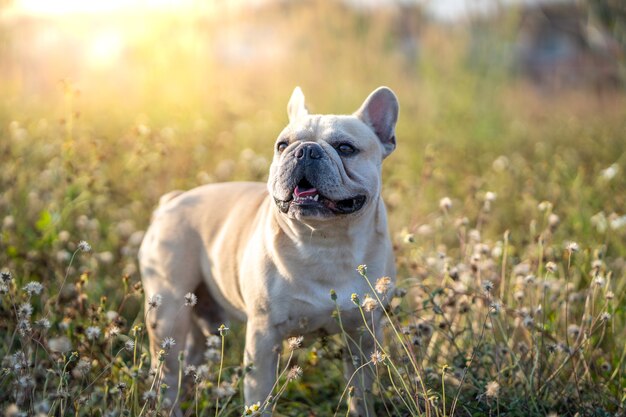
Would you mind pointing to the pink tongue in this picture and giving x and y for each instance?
(304, 193)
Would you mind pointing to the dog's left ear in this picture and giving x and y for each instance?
(380, 112)
(296, 107)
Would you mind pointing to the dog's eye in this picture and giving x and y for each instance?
(345, 149)
(281, 146)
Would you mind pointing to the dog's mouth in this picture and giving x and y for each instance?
(306, 196)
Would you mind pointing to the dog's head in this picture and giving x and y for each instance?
(327, 166)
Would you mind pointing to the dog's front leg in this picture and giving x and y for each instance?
(261, 358)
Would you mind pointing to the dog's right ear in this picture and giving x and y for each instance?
(296, 107)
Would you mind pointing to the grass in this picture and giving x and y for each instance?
(506, 208)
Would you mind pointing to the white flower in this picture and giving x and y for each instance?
(33, 287)
(445, 204)
(155, 301)
(168, 343)
(43, 323)
(377, 357)
(129, 345)
(25, 310)
(83, 246)
(294, 373)
(490, 196)
(190, 299)
(295, 342)
(213, 341)
(610, 172)
(92, 332)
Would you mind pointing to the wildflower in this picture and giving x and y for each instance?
(212, 355)
(43, 323)
(573, 330)
(551, 267)
(294, 373)
(382, 285)
(6, 277)
(487, 286)
(168, 343)
(155, 301)
(33, 287)
(4, 289)
(609, 295)
(445, 204)
(252, 410)
(573, 247)
(377, 357)
(213, 341)
(226, 390)
(610, 172)
(424, 329)
(518, 295)
(529, 279)
(129, 345)
(599, 281)
(490, 196)
(190, 299)
(25, 310)
(606, 316)
(223, 330)
(295, 342)
(355, 298)
(528, 321)
(362, 269)
(121, 387)
(369, 304)
(93, 332)
(83, 246)
(409, 238)
(333, 295)
(495, 307)
(605, 367)
(544, 206)
(23, 326)
(60, 344)
(83, 367)
(492, 390)
(553, 220)
(150, 395)
(190, 369)
(113, 331)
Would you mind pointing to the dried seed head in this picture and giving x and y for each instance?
(369, 304)
(382, 285)
(493, 389)
(294, 373)
(83, 246)
(377, 357)
(445, 204)
(295, 342)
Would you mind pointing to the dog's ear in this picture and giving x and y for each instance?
(296, 107)
(380, 112)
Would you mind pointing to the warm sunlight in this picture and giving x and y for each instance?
(62, 7)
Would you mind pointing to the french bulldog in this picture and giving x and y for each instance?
(270, 253)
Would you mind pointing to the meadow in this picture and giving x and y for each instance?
(507, 208)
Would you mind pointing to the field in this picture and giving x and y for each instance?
(507, 207)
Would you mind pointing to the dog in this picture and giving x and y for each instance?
(271, 253)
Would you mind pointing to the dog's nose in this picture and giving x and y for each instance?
(309, 150)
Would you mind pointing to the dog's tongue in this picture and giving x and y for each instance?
(299, 192)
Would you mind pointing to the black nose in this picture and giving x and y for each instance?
(309, 150)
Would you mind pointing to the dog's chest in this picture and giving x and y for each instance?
(312, 308)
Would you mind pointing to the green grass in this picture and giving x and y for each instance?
(91, 166)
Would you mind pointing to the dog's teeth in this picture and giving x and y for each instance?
(317, 197)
